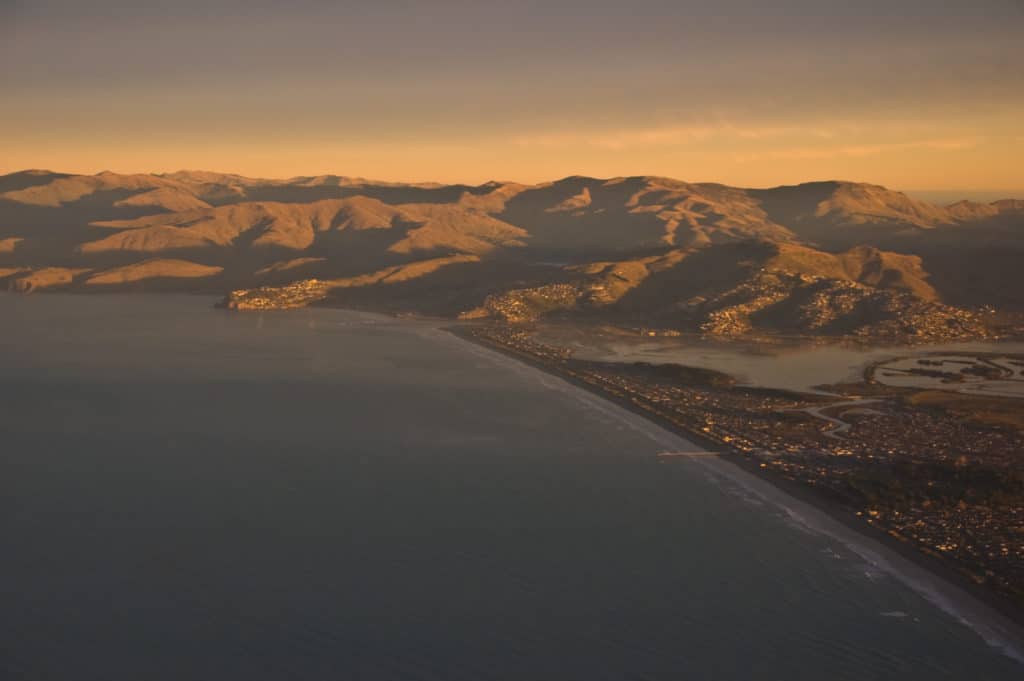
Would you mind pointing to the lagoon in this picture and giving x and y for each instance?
(786, 364)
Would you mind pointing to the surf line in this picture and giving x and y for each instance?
(671, 455)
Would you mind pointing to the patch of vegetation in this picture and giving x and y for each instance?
(905, 484)
(992, 411)
(682, 375)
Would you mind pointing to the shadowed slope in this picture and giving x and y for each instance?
(738, 288)
(652, 250)
(417, 227)
(585, 215)
(840, 214)
(24, 179)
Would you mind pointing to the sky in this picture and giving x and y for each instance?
(912, 94)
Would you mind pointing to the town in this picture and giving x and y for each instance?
(949, 486)
(298, 294)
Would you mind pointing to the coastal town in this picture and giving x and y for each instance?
(948, 485)
(297, 294)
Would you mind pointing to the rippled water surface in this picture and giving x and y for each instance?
(189, 493)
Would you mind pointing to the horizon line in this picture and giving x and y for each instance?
(371, 180)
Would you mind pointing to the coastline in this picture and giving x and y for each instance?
(997, 620)
(939, 583)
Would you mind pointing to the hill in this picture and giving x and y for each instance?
(822, 257)
(748, 287)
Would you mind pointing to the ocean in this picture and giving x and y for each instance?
(192, 493)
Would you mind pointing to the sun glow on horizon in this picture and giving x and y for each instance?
(901, 94)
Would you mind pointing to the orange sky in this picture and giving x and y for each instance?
(899, 93)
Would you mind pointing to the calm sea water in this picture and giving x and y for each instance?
(188, 493)
(787, 365)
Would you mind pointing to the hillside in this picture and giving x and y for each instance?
(756, 287)
(822, 257)
(153, 272)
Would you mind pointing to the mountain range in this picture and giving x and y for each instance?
(830, 258)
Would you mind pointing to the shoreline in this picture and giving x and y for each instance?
(997, 620)
(939, 583)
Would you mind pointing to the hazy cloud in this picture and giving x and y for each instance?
(621, 139)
